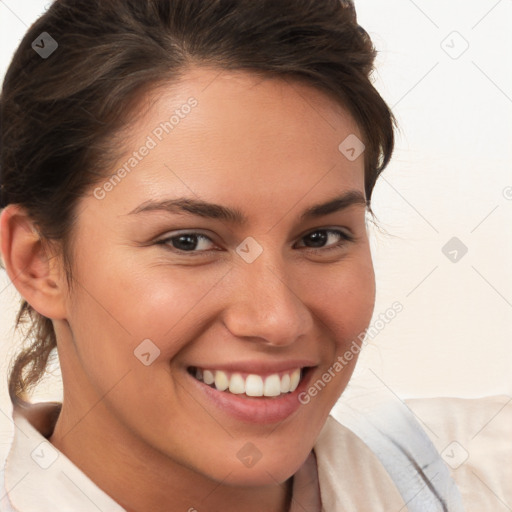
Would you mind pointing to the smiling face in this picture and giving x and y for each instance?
(175, 297)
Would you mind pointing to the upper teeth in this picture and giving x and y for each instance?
(252, 384)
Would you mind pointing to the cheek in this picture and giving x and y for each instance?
(360, 301)
(171, 305)
(117, 307)
(342, 301)
(345, 300)
(128, 302)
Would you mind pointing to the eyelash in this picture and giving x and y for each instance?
(345, 238)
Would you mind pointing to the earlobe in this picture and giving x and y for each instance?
(29, 265)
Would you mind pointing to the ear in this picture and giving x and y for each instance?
(35, 273)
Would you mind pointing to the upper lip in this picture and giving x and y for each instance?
(257, 367)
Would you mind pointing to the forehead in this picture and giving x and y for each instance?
(236, 137)
(235, 103)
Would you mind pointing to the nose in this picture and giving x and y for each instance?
(264, 306)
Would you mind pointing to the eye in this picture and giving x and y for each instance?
(188, 242)
(327, 239)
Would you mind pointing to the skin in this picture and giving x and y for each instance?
(269, 148)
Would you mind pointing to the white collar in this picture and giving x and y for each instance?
(39, 478)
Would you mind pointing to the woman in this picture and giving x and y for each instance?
(185, 186)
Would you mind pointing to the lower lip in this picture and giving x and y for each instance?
(260, 410)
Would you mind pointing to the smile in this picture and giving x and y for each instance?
(252, 385)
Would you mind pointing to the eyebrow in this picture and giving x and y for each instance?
(235, 216)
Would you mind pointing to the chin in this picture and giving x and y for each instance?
(249, 465)
(261, 474)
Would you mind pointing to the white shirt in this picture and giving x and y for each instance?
(379, 460)
(474, 436)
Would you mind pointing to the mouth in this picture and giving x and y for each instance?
(256, 398)
(250, 384)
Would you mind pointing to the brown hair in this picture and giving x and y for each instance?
(59, 115)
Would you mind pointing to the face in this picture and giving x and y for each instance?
(208, 264)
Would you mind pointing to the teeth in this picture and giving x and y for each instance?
(272, 386)
(252, 385)
(294, 380)
(285, 384)
(236, 384)
(221, 381)
(208, 377)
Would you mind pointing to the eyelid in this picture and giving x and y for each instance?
(177, 232)
(342, 229)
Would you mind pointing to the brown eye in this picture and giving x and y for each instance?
(188, 242)
(320, 239)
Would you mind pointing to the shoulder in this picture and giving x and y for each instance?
(388, 448)
(473, 437)
(351, 476)
(37, 477)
